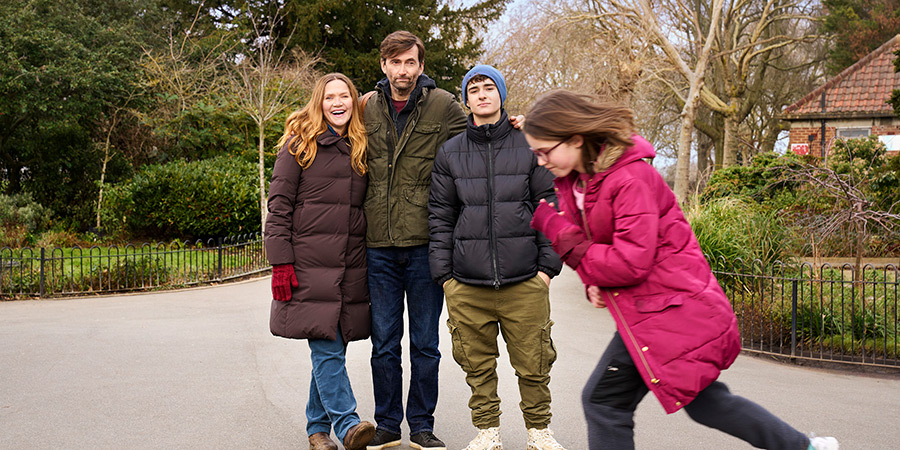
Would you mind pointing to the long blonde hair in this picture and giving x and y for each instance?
(606, 127)
(309, 122)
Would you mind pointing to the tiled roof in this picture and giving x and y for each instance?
(860, 90)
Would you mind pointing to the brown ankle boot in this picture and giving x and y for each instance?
(321, 441)
(359, 435)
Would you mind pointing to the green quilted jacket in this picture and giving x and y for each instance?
(400, 167)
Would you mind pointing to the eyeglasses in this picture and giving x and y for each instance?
(544, 154)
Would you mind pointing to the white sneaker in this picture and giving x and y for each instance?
(542, 440)
(487, 439)
(823, 443)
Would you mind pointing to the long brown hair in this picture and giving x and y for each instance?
(309, 122)
(604, 126)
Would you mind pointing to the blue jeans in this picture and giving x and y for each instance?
(331, 400)
(393, 272)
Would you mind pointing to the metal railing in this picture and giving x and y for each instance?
(56, 272)
(827, 313)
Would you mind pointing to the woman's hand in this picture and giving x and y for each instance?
(593, 296)
(283, 279)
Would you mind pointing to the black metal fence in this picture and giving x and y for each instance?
(826, 314)
(54, 272)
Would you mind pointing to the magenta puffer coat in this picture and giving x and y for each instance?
(634, 243)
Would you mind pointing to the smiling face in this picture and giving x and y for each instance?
(337, 105)
(402, 71)
(483, 99)
(560, 157)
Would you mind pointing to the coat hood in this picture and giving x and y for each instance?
(612, 158)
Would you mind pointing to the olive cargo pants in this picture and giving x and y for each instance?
(521, 312)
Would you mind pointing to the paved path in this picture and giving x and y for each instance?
(198, 369)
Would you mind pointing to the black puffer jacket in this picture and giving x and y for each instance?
(484, 188)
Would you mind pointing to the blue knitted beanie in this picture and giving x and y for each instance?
(490, 72)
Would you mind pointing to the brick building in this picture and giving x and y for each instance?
(852, 104)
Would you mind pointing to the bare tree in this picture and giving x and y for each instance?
(266, 81)
(750, 40)
(185, 72)
(851, 207)
(108, 126)
(548, 45)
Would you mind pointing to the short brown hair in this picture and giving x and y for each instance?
(399, 42)
(561, 114)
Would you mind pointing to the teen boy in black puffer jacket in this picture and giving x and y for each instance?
(495, 270)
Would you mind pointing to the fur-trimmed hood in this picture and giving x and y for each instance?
(615, 155)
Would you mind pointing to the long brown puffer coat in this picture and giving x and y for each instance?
(316, 222)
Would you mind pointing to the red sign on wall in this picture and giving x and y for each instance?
(800, 149)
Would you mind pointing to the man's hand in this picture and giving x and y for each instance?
(593, 296)
(544, 277)
(517, 121)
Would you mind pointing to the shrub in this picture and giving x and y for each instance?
(763, 181)
(212, 197)
(20, 218)
(732, 228)
(57, 238)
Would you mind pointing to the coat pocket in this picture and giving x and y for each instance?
(418, 194)
(657, 303)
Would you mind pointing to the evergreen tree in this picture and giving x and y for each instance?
(349, 32)
(858, 27)
(64, 65)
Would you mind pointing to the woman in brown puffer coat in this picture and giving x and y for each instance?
(315, 240)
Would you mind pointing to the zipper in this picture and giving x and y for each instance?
(587, 229)
(390, 174)
(631, 337)
(491, 234)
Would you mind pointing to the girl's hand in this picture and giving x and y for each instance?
(548, 220)
(552, 205)
(593, 296)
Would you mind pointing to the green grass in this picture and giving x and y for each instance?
(74, 270)
(833, 314)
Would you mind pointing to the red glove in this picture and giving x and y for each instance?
(283, 279)
(568, 240)
(549, 221)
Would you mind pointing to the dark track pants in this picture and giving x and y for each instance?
(614, 390)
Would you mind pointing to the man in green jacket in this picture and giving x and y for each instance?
(407, 120)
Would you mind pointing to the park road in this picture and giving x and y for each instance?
(198, 369)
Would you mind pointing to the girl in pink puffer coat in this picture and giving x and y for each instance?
(620, 227)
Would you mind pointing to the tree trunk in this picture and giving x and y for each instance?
(262, 176)
(702, 158)
(102, 179)
(106, 159)
(683, 164)
(731, 142)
